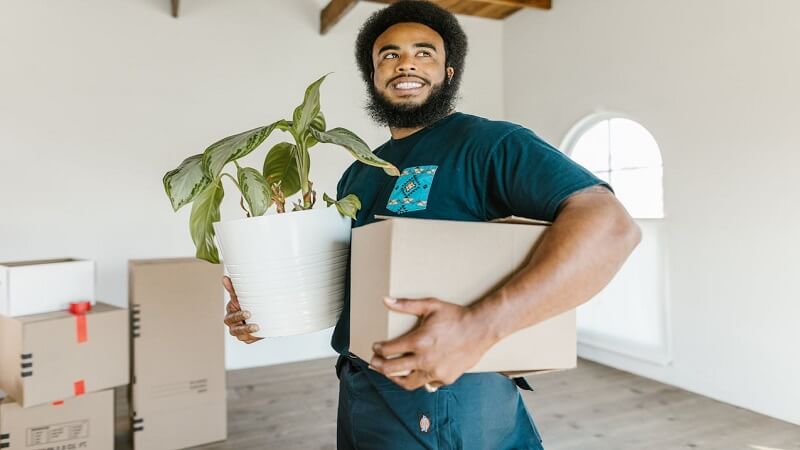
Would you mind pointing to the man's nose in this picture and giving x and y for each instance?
(406, 64)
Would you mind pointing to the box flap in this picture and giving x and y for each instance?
(521, 221)
(98, 308)
(173, 260)
(40, 261)
(510, 219)
(528, 373)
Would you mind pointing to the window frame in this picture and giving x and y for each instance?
(584, 125)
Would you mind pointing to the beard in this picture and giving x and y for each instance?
(439, 103)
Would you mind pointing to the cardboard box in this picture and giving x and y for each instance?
(178, 393)
(85, 422)
(57, 355)
(35, 287)
(458, 262)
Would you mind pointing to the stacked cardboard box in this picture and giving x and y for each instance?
(84, 422)
(177, 395)
(60, 355)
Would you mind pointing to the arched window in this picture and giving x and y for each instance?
(631, 315)
(623, 153)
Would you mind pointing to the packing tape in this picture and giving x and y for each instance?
(79, 310)
(80, 387)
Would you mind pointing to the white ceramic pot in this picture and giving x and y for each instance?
(289, 269)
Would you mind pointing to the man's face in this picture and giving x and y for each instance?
(409, 85)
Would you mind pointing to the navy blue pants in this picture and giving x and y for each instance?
(482, 411)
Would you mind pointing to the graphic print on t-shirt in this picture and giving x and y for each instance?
(411, 190)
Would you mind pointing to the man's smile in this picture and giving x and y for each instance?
(407, 86)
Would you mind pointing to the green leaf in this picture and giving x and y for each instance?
(307, 112)
(348, 206)
(205, 211)
(318, 124)
(184, 183)
(255, 190)
(355, 146)
(281, 166)
(234, 147)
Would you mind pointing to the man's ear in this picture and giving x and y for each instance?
(450, 73)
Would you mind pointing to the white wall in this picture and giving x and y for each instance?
(716, 82)
(99, 98)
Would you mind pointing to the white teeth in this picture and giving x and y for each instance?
(408, 85)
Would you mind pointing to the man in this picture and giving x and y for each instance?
(413, 393)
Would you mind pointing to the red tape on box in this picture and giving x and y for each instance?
(80, 387)
(79, 310)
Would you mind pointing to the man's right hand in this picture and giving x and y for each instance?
(236, 319)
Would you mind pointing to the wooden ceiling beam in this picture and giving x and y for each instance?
(541, 4)
(334, 12)
(336, 9)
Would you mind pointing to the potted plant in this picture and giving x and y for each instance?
(288, 269)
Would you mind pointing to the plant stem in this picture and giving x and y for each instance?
(241, 201)
(304, 185)
(232, 179)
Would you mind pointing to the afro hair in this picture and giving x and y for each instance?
(415, 11)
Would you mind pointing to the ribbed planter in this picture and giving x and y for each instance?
(288, 269)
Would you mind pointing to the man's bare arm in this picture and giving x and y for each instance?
(587, 244)
(583, 249)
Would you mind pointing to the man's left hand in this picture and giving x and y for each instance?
(448, 340)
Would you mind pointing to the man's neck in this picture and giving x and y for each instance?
(400, 133)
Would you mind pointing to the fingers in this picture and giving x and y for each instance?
(417, 307)
(243, 332)
(226, 282)
(408, 343)
(236, 317)
(414, 380)
(395, 367)
(232, 307)
(433, 386)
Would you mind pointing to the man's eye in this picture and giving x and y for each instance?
(390, 56)
(424, 53)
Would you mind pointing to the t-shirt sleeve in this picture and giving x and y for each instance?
(341, 184)
(528, 177)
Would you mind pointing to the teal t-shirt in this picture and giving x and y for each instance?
(462, 167)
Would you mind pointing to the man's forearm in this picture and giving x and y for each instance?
(580, 253)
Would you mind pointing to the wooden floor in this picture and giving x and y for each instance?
(293, 406)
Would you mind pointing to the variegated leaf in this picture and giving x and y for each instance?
(205, 211)
(347, 206)
(357, 147)
(234, 147)
(255, 190)
(281, 166)
(184, 183)
(307, 112)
